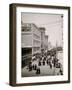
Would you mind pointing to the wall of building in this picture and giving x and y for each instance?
(46, 42)
(42, 29)
(26, 40)
(31, 38)
(26, 35)
(36, 39)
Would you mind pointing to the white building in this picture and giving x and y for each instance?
(31, 38)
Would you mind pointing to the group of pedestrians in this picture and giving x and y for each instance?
(42, 60)
(34, 67)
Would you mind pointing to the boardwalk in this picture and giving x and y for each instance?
(45, 70)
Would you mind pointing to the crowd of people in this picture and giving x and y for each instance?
(42, 59)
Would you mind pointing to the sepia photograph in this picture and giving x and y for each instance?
(41, 44)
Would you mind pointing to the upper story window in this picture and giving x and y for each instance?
(26, 27)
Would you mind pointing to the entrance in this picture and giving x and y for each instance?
(26, 56)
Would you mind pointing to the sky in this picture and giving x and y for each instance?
(51, 22)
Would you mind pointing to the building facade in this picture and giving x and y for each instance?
(42, 29)
(46, 42)
(31, 38)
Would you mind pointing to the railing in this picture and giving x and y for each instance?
(26, 56)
